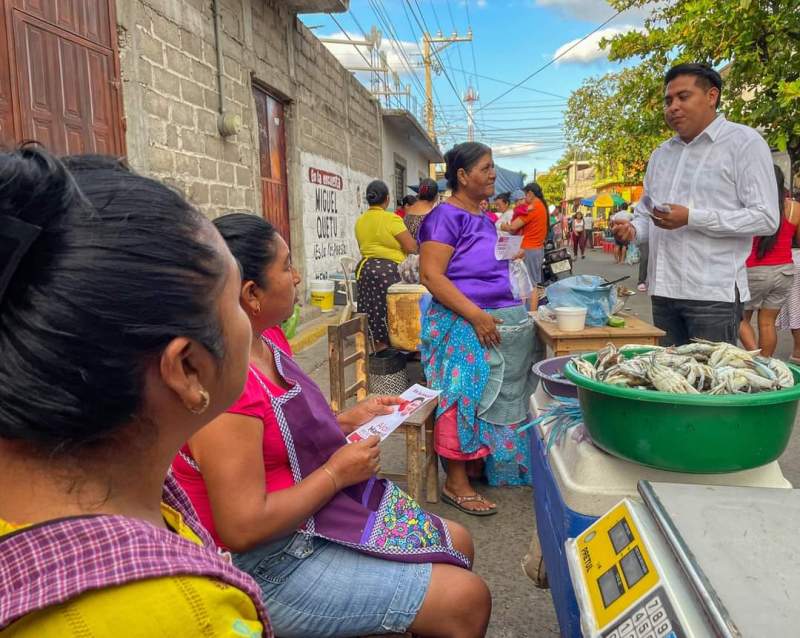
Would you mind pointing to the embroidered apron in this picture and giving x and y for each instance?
(375, 517)
(55, 561)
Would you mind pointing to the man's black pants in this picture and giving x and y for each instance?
(684, 320)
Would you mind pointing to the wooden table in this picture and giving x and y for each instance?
(590, 339)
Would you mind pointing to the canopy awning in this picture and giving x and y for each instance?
(608, 200)
(588, 201)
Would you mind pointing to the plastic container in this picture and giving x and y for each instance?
(551, 372)
(322, 294)
(570, 318)
(699, 434)
(404, 315)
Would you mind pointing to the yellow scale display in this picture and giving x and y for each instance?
(620, 582)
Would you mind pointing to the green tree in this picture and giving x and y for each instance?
(616, 121)
(759, 38)
(553, 184)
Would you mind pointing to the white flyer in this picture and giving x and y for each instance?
(507, 246)
(413, 399)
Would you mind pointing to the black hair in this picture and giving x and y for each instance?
(121, 266)
(506, 197)
(377, 192)
(704, 75)
(536, 189)
(428, 189)
(623, 206)
(408, 200)
(251, 239)
(765, 244)
(464, 155)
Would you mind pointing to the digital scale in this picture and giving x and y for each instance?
(576, 485)
(691, 561)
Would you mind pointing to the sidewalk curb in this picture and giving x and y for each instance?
(311, 332)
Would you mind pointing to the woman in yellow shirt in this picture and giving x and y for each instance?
(121, 335)
(384, 242)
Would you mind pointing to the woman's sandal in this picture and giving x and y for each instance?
(456, 501)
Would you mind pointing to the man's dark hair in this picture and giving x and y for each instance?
(704, 76)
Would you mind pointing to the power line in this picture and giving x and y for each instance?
(555, 58)
(524, 88)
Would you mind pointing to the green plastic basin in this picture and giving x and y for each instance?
(698, 434)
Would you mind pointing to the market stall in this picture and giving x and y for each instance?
(595, 442)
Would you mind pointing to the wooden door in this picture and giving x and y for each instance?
(272, 155)
(64, 75)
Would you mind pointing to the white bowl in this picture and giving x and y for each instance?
(570, 319)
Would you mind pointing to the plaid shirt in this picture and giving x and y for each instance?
(37, 563)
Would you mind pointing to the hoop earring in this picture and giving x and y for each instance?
(205, 402)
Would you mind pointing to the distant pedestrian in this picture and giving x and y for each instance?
(621, 246)
(711, 188)
(504, 211)
(428, 195)
(533, 225)
(578, 235)
(588, 227)
(770, 275)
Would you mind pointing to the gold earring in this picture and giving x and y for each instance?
(205, 402)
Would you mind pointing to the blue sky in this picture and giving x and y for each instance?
(511, 39)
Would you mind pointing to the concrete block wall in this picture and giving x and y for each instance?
(168, 65)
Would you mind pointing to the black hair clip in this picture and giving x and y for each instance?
(16, 237)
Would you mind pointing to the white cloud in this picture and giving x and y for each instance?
(594, 10)
(586, 51)
(349, 56)
(514, 150)
(481, 3)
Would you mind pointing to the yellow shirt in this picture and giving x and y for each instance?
(376, 230)
(184, 606)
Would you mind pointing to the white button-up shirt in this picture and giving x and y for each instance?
(725, 178)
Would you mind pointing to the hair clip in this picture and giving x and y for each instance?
(16, 237)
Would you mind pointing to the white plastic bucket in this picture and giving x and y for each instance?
(570, 319)
(322, 294)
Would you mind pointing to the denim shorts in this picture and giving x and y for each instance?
(314, 588)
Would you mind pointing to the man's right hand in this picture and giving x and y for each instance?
(623, 230)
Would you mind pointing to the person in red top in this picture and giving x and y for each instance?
(239, 476)
(534, 225)
(770, 273)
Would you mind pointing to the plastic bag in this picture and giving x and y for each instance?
(409, 269)
(632, 257)
(289, 326)
(521, 285)
(584, 291)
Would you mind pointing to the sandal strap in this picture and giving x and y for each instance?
(473, 498)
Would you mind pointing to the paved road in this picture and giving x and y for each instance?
(520, 610)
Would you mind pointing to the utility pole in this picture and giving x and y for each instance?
(432, 46)
(470, 97)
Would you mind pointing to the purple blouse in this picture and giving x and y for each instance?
(473, 268)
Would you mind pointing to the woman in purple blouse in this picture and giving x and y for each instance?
(477, 339)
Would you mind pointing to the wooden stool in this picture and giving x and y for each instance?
(418, 428)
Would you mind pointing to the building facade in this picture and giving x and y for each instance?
(291, 135)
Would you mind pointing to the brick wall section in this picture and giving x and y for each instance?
(168, 63)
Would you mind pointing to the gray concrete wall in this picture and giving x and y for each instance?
(396, 147)
(168, 64)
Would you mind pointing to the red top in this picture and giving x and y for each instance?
(781, 252)
(534, 232)
(253, 402)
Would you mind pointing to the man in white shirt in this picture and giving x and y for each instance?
(708, 191)
(588, 225)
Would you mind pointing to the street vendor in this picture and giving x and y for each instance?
(477, 338)
(708, 191)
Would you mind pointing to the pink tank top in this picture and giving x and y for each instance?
(781, 253)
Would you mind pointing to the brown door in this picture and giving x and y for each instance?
(64, 75)
(272, 153)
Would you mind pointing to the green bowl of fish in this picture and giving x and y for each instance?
(697, 433)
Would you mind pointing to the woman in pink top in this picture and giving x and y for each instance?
(770, 273)
(336, 551)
